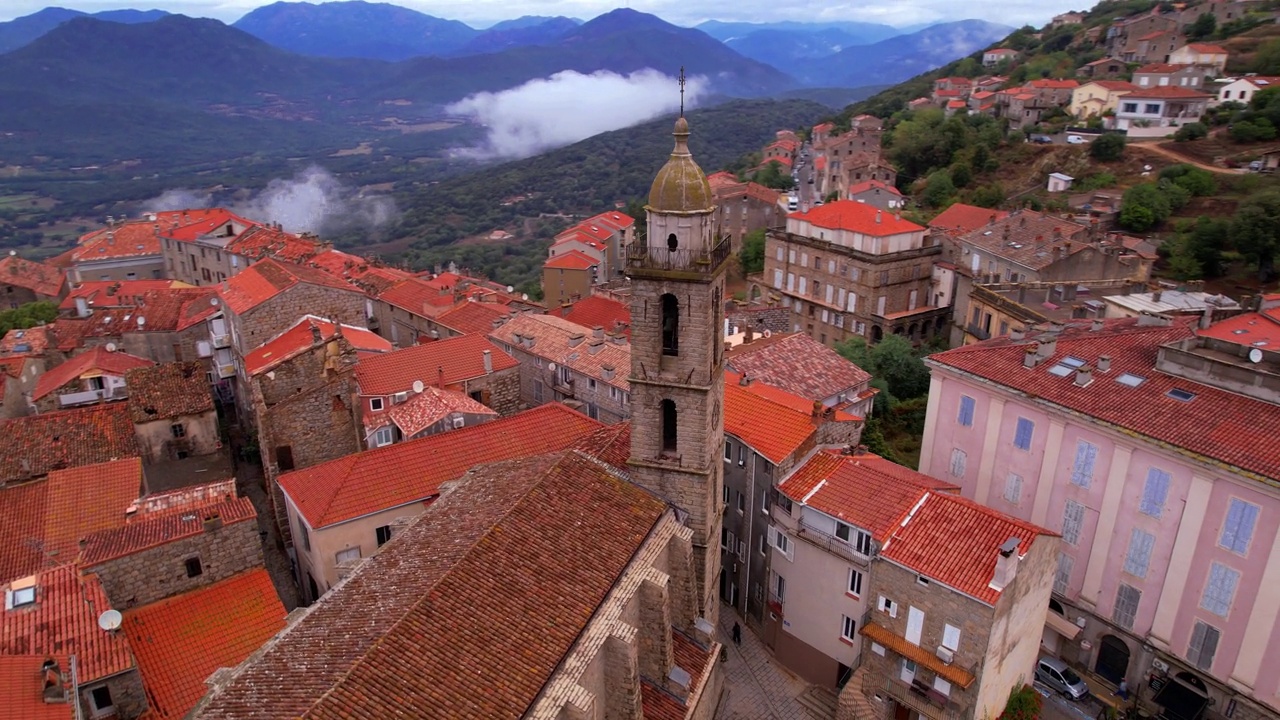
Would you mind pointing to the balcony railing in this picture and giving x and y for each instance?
(656, 257)
(831, 544)
(977, 331)
(91, 396)
(928, 702)
(222, 341)
(226, 371)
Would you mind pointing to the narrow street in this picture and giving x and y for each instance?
(250, 482)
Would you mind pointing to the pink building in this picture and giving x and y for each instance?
(1154, 452)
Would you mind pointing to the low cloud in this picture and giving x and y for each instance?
(570, 106)
(311, 201)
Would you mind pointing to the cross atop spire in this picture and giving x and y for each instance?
(682, 81)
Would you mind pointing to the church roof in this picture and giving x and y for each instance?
(681, 186)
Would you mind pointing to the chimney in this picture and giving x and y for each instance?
(1104, 363)
(678, 682)
(488, 361)
(1096, 325)
(1155, 296)
(619, 339)
(991, 220)
(817, 408)
(597, 332)
(82, 307)
(877, 217)
(212, 522)
(1047, 347)
(111, 238)
(1030, 355)
(1017, 335)
(607, 371)
(744, 380)
(1084, 375)
(748, 334)
(316, 335)
(595, 346)
(576, 339)
(1006, 565)
(1206, 318)
(55, 690)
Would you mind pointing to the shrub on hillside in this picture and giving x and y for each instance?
(1107, 148)
(1191, 131)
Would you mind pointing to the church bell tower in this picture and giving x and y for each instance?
(677, 277)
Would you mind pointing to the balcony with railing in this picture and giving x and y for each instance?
(89, 397)
(227, 370)
(830, 543)
(222, 341)
(662, 259)
(922, 698)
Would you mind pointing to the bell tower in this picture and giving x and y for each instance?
(677, 278)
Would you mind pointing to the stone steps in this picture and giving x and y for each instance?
(819, 703)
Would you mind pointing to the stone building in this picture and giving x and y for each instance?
(172, 410)
(162, 325)
(127, 250)
(799, 365)
(847, 269)
(563, 362)
(743, 208)
(23, 281)
(597, 311)
(18, 377)
(216, 245)
(92, 377)
(411, 311)
(569, 276)
(269, 297)
(33, 446)
(471, 365)
(876, 194)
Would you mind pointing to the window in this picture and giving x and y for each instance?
(1072, 520)
(382, 535)
(178, 430)
(855, 582)
(941, 686)
(726, 494)
(966, 411)
(375, 404)
(383, 436)
(728, 452)
(1204, 643)
(742, 503)
(1127, 599)
(842, 531)
(1154, 493)
(1182, 395)
(780, 588)
(100, 699)
(764, 545)
(1013, 488)
(724, 538)
(1022, 434)
(951, 637)
(670, 325)
(1151, 108)
(1082, 469)
(1139, 555)
(764, 502)
(1133, 107)
(958, 459)
(848, 628)
(1220, 590)
(862, 542)
(915, 625)
(908, 673)
(591, 383)
(888, 606)
(781, 542)
(348, 555)
(784, 502)
(193, 567)
(22, 596)
(1237, 531)
(306, 536)
(742, 457)
(668, 426)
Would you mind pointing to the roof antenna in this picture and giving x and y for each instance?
(682, 81)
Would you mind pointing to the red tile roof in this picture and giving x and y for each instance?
(688, 655)
(361, 272)
(856, 217)
(1112, 84)
(267, 278)
(786, 399)
(1229, 428)
(113, 293)
(413, 471)
(22, 687)
(137, 238)
(170, 310)
(91, 363)
(867, 185)
(182, 640)
(955, 541)
(598, 311)
(1051, 84)
(610, 444)
(432, 624)
(554, 341)
(773, 430)
(64, 620)
(424, 409)
(618, 220)
(577, 234)
(261, 242)
(1168, 92)
(37, 277)
(301, 337)
(1161, 68)
(962, 218)
(1259, 329)
(474, 318)
(571, 260)
(144, 531)
(799, 365)
(38, 444)
(194, 223)
(865, 491)
(460, 359)
(26, 341)
(420, 297)
(168, 391)
(1206, 49)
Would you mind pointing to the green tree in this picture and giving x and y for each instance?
(1203, 27)
(1205, 243)
(1143, 207)
(773, 176)
(752, 254)
(28, 315)
(1023, 704)
(1266, 61)
(1259, 129)
(988, 196)
(1191, 131)
(896, 361)
(1197, 181)
(1255, 232)
(939, 190)
(1107, 148)
(961, 175)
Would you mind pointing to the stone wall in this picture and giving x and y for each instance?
(760, 318)
(317, 425)
(268, 319)
(501, 390)
(128, 695)
(160, 572)
(158, 443)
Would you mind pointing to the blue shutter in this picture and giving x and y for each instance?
(1022, 436)
(1082, 470)
(1155, 492)
(1237, 531)
(966, 411)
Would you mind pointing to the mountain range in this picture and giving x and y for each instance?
(18, 32)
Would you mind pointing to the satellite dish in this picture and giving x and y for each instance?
(141, 321)
(511, 288)
(551, 367)
(1255, 355)
(213, 301)
(110, 620)
(418, 386)
(111, 347)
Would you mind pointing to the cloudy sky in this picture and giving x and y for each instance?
(682, 12)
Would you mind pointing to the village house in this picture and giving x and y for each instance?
(1210, 57)
(568, 276)
(743, 208)
(1159, 111)
(1242, 89)
(1094, 99)
(1169, 301)
(128, 250)
(18, 377)
(26, 281)
(1168, 74)
(33, 446)
(424, 412)
(846, 269)
(173, 412)
(413, 310)
(1135, 439)
(1124, 36)
(799, 365)
(877, 194)
(1067, 18)
(597, 311)
(991, 58)
(92, 377)
(1103, 68)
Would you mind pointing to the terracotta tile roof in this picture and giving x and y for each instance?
(473, 318)
(37, 277)
(692, 657)
(962, 218)
(867, 185)
(91, 363)
(571, 260)
(771, 429)
(153, 530)
(38, 444)
(856, 217)
(301, 337)
(26, 341)
(866, 490)
(1161, 68)
(1262, 80)
(22, 687)
(194, 223)
(1205, 49)
(460, 359)
(64, 620)
(610, 444)
(420, 297)
(948, 93)
(619, 220)
(824, 127)
(953, 674)
(267, 278)
(786, 399)
(413, 471)
(1223, 426)
(424, 409)
(170, 310)
(111, 293)
(799, 365)
(1051, 84)
(552, 341)
(579, 235)
(598, 311)
(24, 509)
(137, 238)
(718, 179)
(1168, 92)
(1027, 238)
(182, 640)
(171, 390)
(1153, 35)
(442, 644)
(358, 271)
(955, 541)
(1112, 85)
(1259, 329)
(259, 242)
(1001, 51)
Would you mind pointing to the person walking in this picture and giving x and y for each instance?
(737, 633)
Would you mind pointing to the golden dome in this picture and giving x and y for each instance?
(681, 186)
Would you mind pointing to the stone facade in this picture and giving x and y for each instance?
(270, 318)
(154, 574)
(743, 208)
(128, 696)
(159, 440)
(313, 426)
(775, 319)
(539, 385)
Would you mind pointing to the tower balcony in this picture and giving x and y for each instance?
(663, 261)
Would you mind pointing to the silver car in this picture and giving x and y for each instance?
(1055, 673)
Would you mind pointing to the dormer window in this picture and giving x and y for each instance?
(375, 404)
(20, 597)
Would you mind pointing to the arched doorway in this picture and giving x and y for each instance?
(1113, 659)
(754, 295)
(876, 333)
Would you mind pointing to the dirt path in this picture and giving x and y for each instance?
(1154, 147)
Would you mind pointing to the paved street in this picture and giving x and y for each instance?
(756, 688)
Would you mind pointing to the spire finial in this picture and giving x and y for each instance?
(682, 81)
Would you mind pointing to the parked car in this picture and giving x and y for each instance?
(1256, 165)
(1041, 139)
(1076, 140)
(1055, 673)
